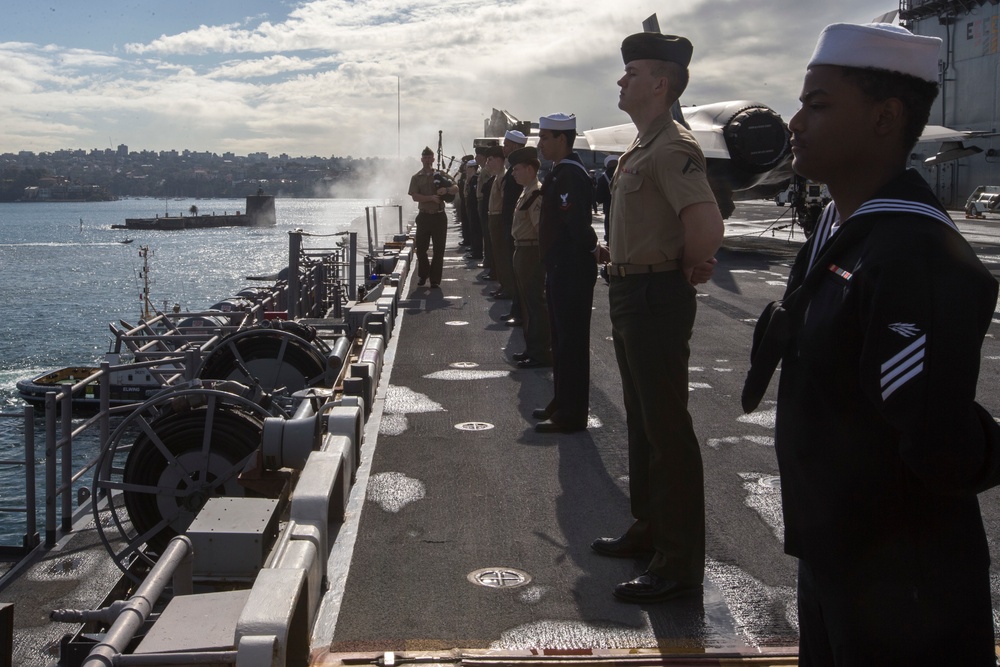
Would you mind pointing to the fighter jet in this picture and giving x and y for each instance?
(745, 144)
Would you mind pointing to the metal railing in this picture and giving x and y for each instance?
(173, 355)
(30, 538)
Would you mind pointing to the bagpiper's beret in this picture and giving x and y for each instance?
(557, 121)
(427, 151)
(654, 46)
(516, 136)
(523, 155)
(880, 46)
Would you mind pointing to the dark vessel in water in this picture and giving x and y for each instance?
(259, 213)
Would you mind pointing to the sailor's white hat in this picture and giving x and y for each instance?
(516, 136)
(609, 159)
(471, 163)
(880, 46)
(557, 121)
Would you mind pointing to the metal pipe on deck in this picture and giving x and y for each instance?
(140, 605)
(352, 281)
(368, 222)
(294, 250)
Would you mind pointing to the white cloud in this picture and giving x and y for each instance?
(323, 78)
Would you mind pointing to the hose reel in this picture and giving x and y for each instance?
(163, 463)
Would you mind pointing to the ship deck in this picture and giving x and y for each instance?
(456, 489)
(460, 487)
(459, 484)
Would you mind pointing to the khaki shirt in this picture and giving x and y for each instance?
(525, 226)
(496, 195)
(661, 174)
(422, 183)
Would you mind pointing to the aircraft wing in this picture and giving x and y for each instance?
(952, 150)
(613, 139)
(942, 133)
(952, 146)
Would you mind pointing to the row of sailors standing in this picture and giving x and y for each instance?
(878, 491)
(542, 250)
(665, 228)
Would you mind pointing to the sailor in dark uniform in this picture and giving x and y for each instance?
(484, 187)
(459, 202)
(471, 201)
(881, 445)
(603, 189)
(568, 247)
(510, 191)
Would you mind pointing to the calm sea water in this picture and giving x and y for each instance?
(64, 275)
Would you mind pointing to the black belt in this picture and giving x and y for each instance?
(622, 270)
(524, 243)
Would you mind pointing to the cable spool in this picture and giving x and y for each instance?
(174, 461)
(276, 360)
(165, 461)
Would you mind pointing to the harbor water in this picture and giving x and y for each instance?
(66, 274)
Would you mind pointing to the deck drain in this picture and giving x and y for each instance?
(772, 481)
(456, 323)
(474, 426)
(464, 364)
(499, 577)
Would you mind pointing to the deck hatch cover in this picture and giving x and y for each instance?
(499, 577)
(474, 426)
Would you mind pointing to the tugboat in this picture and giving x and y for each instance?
(128, 386)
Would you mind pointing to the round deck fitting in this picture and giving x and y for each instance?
(474, 426)
(772, 481)
(499, 577)
(464, 364)
(456, 323)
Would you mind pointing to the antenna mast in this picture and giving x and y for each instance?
(145, 253)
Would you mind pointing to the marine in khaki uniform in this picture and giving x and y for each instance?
(665, 228)
(430, 189)
(529, 272)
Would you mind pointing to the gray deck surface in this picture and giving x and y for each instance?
(442, 502)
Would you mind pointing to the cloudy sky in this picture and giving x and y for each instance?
(320, 77)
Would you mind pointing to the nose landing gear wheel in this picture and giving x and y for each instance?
(164, 462)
